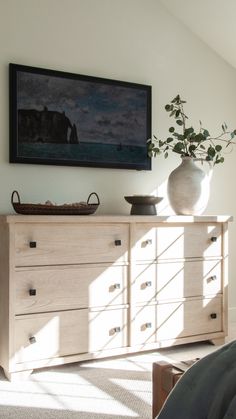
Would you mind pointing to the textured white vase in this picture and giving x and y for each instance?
(188, 188)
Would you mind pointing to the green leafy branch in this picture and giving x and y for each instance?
(199, 145)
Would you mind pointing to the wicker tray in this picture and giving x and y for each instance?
(44, 209)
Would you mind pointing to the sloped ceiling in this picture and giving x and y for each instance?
(213, 21)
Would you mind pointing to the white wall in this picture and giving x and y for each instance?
(132, 40)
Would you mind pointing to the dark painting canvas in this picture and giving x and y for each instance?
(61, 118)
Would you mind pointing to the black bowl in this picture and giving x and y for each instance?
(143, 204)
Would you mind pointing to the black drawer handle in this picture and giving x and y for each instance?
(32, 340)
(213, 239)
(149, 241)
(32, 244)
(148, 284)
(116, 329)
(213, 277)
(148, 325)
(213, 315)
(117, 286)
(32, 291)
(117, 242)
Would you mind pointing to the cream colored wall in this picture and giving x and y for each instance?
(132, 40)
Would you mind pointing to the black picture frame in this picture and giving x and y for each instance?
(60, 118)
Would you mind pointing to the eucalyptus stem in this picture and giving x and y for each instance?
(189, 142)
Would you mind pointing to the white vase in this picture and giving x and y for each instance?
(188, 188)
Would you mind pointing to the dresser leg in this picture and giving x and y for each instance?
(17, 376)
(218, 341)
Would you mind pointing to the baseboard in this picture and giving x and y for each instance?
(232, 314)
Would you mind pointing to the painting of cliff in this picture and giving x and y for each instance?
(45, 127)
(70, 119)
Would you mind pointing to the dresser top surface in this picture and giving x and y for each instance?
(103, 218)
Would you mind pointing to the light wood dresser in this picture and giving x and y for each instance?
(82, 287)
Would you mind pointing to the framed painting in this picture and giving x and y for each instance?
(63, 118)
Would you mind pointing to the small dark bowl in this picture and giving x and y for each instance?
(143, 204)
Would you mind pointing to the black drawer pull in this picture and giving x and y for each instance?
(32, 340)
(117, 286)
(149, 241)
(213, 277)
(148, 284)
(117, 242)
(213, 239)
(32, 291)
(116, 329)
(148, 325)
(32, 244)
(213, 315)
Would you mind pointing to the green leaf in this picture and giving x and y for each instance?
(166, 155)
(171, 129)
(202, 147)
(167, 108)
(211, 151)
(192, 148)
(221, 160)
(169, 140)
(176, 99)
(188, 131)
(206, 133)
(178, 147)
(218, 147)
(199, 138)
(179, 122)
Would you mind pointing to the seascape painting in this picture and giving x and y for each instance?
(69, 119)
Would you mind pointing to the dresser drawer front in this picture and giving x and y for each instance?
(54, 244)
(173, 280)
(189, 318)
(64, 288)
(55, 334)
(108, 329)
(194, 240)
(176, 320)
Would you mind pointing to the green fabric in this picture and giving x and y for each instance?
(207, 390)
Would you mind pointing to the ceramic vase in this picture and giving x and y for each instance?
(188, 188)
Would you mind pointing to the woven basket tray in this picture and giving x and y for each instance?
(43, 209)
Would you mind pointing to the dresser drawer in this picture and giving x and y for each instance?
(54, 244)
(176, 320)
(64, 333)
(191, 240)
(64, 288)
(50, 335)
(173, 280)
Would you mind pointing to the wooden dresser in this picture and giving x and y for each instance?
(81, 287)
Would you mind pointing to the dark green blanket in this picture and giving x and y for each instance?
(207, 390)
